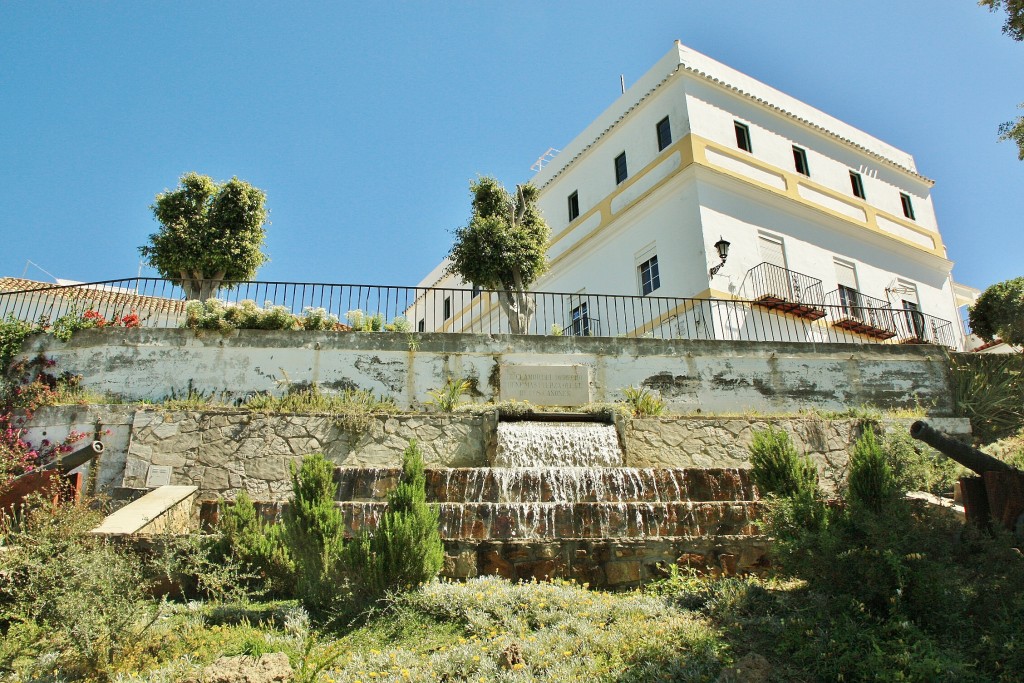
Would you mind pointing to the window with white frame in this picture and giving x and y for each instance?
(650, 279)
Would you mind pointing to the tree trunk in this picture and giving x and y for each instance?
(198, 287)
(518, 307)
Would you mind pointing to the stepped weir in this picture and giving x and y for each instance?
(559, 500)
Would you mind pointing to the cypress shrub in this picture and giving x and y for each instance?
(406, 549)
(871, 484)
(314, 534)
(777, 469)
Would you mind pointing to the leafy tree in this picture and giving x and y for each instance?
(1014, 130)
(1014, 27)
(209, 233)
(504, 247)
(999, 312)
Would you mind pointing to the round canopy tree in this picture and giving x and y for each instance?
(210, 233)
(999, 312)
(504, 247)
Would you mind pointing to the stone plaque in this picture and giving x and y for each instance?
(546, 385)
(158, 475)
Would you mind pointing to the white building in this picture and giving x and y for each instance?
(831, 230)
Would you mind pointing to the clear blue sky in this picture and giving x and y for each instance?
(365, 122)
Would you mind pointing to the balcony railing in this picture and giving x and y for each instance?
(778, 288)
(160, 303)
(860, 313)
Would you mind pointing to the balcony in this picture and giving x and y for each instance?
(861, 314)
(788, 291)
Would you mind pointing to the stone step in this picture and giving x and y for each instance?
(550, 484)
(512, 521)
(613, 563)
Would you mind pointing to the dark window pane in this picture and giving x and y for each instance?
(649, 278)
(908, 207)
(800, 161)
(742, 136)
(664, 134)
(574, 206)
(620, 168)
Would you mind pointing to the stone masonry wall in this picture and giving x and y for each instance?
(224, 452)
(725, 442)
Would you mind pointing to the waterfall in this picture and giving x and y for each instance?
(557, 444)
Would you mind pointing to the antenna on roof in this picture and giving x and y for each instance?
(544, 159)
(29, 262)
(622, 83)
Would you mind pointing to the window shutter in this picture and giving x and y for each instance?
(771, 252)
(846, 275)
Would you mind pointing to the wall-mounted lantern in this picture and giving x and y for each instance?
(723, 252)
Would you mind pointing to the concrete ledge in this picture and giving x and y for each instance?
(167, 509)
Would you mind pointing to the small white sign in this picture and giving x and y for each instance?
(158, 475)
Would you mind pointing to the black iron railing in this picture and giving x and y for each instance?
(767, 281)
(161, 303)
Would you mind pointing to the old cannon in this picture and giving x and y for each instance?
(43, 478)
(995, 495)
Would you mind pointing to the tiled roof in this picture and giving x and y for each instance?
(105, 294)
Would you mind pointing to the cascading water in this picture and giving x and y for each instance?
(557, 444)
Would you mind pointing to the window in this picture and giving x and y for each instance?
(849, 297)
(800, 161)
(649, 279)
(580, 321)
(574, 206)
(908, 207)
(476, 291)
(857, 184)
(664, 134)
(421, 326)
(447, 307)
(914, 319)
(620, 168)
(742, 136)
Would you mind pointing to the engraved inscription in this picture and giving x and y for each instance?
(552, 385)
(158, 475)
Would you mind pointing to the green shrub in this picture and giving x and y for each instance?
(259, 547)
(405, 549)
(318, 319)
(916, 466)
(989, 390)
(643, 402)
(870, 483)
(68, 592)
(777, 469)
(13, 334)
(314, 534)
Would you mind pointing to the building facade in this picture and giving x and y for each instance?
(825, 224)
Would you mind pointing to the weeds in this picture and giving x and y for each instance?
(643, 402)
(448, 398)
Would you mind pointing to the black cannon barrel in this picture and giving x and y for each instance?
(72, 460)
(971, 458)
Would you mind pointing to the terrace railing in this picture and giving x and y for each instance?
(161, 303)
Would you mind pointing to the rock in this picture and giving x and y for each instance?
(751, 668)
(269, 668)
(494, 563)
(512, 656)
